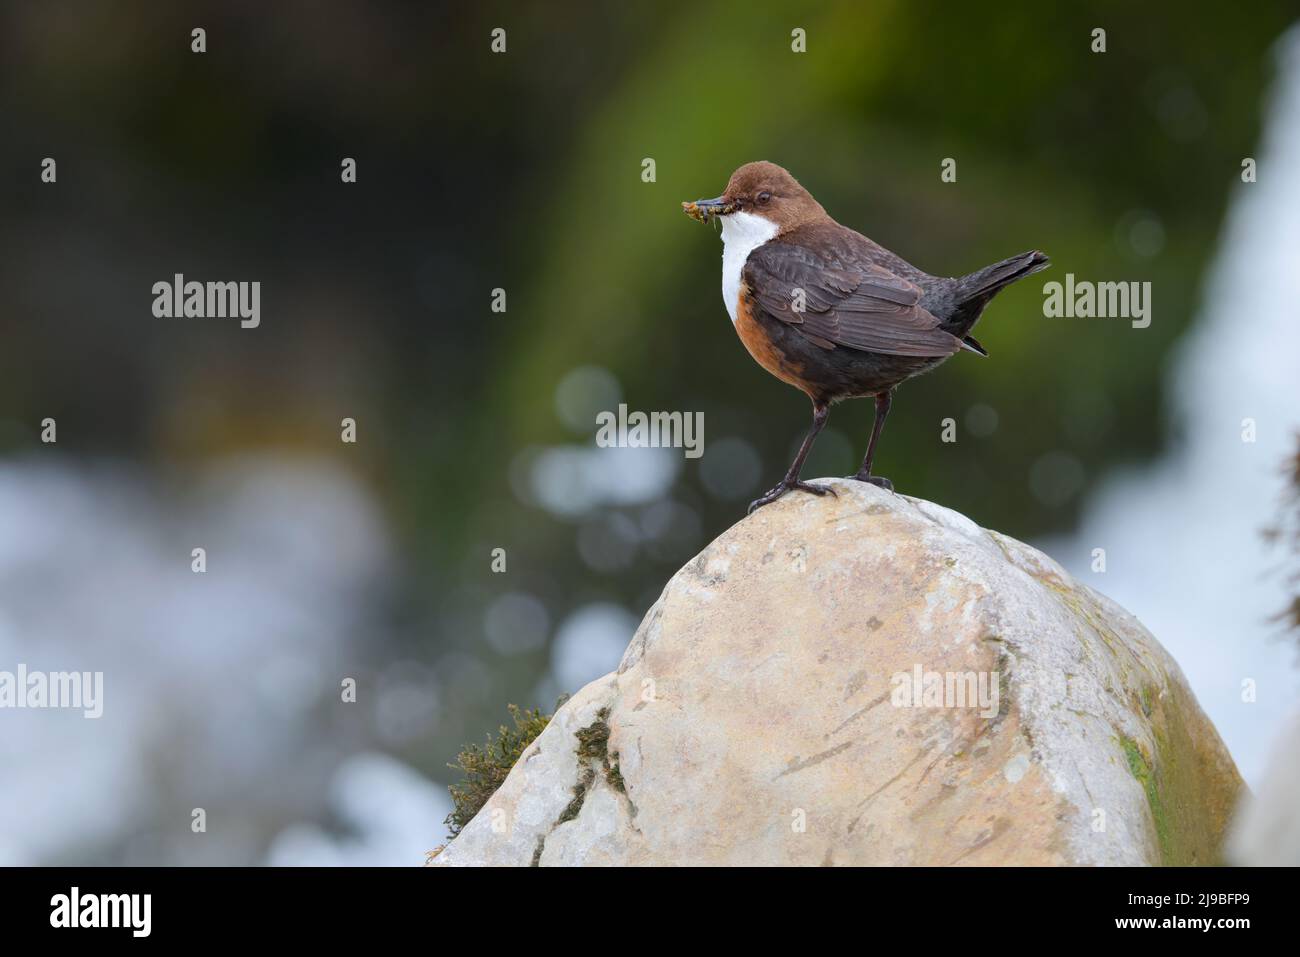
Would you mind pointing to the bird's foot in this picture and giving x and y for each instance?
(788, 486)
(877, 480)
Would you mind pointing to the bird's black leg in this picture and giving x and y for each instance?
(791, 480)
(883, 401)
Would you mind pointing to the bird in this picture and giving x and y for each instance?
(826, 310)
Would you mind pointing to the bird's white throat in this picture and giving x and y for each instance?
(742, 233)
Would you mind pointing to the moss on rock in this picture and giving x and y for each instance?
(1189, 831)
(486, 766)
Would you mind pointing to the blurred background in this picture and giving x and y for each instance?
(475, 430)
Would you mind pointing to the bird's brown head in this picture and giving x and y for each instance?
(762, 189)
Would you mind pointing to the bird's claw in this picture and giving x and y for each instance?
(784, 487)
(877, 480)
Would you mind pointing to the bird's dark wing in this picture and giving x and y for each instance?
(849, 302)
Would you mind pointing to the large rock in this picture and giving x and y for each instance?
(763, 713)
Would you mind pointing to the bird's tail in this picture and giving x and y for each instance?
(972, 292)
(984, 284)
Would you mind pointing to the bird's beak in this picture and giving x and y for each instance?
(702, 209)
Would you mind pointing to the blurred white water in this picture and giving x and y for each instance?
(1183, 539)
(391, 812)
(221, 689)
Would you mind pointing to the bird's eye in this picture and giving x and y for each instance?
(764, 198)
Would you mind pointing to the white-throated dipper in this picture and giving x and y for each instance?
(828, 311)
